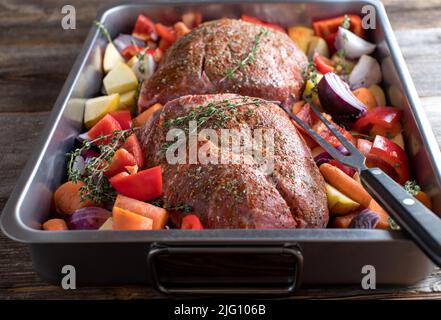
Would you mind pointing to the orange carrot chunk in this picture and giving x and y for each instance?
(127, 220)
(365, 96)
(67, 198)
(55, 225)
(157, 214)
(424, 199)
(345, 184)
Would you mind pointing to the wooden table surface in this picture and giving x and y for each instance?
(36, 55)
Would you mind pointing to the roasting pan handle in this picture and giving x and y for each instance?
(290, 253)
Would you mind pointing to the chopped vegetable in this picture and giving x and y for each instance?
(325, 27)
(181, 29)
(348, 170)
(166, 33)
(145, 66)
(145, 116)
(323, 64)
(415, 190)
(392, 154)
(131, 51)
(301, 36)
(89, 218)
(67, 198)
(120, 160)
(338, 203)
(128, 101)
(108, 225)
(157, 214)
(383, 223)
(389, 133)
(338, 100)
(343, 222)
(105, 127)
(127, 220)
(144, 186)
(318, 46)
(111, 57)
(124, 40)
(191, 222)
(120, 79)
(345, 184)
(385, 117)
(378, 94)
(123, 117)
(366, 73)
(366, 219)
(366, 97)
(55, 225)
(145, 29)
(262, 23)
(373, 161)
(353, 46)
(132, 145)
(97, 108)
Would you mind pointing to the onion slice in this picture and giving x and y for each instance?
(353, 46)
(337, 100)
(88, 218)
(125, 40)
(366, 219)
(366, 73)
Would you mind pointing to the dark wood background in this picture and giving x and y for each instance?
(36, 55)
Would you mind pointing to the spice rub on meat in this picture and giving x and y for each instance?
(228, 56)
(240, 195)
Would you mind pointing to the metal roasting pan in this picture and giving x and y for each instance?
(218, 261)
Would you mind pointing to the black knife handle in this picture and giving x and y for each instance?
(423, 226)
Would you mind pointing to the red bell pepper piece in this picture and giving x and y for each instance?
(373, 161)
(384, 116)
(105, 127)
(120, 160)
(145, 29)
(166, 33)
(325, 133)
(392, 154)
(133, 146)
(255, 20)
(123, 117)
(145, 185)
(191, 222)
(323, 64)
(325, 27)
(131, 50)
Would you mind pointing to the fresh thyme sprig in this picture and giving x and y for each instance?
(346, 22)
(412, 187)
(240, 65)
(96, 185)
(103, 30)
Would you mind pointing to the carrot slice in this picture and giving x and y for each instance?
(424, 199)
(365, 96)
(343, 222)
(55, 225)
(144, 116)
(127, 220)
(157, 214)
(345, 184)
(67, 198)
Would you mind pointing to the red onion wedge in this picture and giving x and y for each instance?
(353, 46)
(366, 73)
(88, 218)
(366, 219)
(125, 40)
(337, 100)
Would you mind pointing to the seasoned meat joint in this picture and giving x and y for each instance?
(241, 194)
(228, 56)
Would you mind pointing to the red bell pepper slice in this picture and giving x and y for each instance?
(325, 27)
(373, 161)
(255, 20)
(105, 127)
(133, 146)
(131, 50)
(384, 116)
(120, 160)
(392, 154)
(191, 222)
(348, 170)
(330, 41)
(323, 64)
(166, 33)
(123, 117)
(145, 29)
(145, 185)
